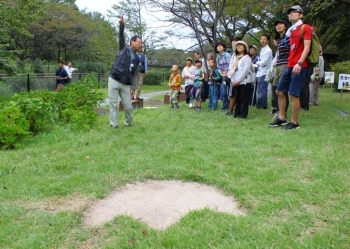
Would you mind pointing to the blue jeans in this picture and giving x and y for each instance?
(213, 96)
(262, 92)
(224, 94)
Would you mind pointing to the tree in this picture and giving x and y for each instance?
(132, 11)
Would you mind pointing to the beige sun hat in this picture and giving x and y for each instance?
(240, 42)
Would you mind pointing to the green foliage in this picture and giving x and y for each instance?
(156, 77)
(38, 66)
(340, 68)
(90, 66)
(77, 102)
(13, 127)
(5, 89)
(38, 108)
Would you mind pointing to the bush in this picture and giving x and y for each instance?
(13, 127)
(38, 107)
(38, 66)
(77, 101)
(34, 111)
(340, 68)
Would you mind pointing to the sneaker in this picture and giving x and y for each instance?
(277, 122)
(291, 126)
(198, 108)
(228, 113)
(114, 126)
(190, 105)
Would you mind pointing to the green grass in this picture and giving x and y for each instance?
(294, 185)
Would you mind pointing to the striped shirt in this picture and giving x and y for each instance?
(283, 50)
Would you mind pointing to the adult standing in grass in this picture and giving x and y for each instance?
(281, 63)
(142, 73)
(316, 79)
(263, 65)
(294, 75)
(222, 62)
(122, 79)
(61, 76)
(241, 78)
(188, 74)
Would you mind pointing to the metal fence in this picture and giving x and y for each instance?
(30, 82)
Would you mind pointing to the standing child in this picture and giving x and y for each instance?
(198, 83)
(175, 85)
(214, 84)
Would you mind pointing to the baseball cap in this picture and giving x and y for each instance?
(296, 8)
(189, 59)
(198, 61)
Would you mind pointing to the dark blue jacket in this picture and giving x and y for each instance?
(62, 73)
(124, 69)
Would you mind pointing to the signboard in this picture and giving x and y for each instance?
(329, 77)
(344, 82)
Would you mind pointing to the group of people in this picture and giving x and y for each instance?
(64, 74)
(238, 80)
(241, 79)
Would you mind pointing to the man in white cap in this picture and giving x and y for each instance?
(294, 75)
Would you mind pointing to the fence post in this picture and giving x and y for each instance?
(98, 77)
(79, 76)
(28, 83)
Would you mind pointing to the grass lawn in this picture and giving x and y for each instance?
(294, 185)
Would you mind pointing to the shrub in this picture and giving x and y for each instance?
(340, 68)
(38, 107)
(13, 127)
(38, 66)
(77, 101)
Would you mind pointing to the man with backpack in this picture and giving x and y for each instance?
(294, 75)
(122, 79)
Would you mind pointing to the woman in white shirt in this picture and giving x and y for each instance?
(242, 78)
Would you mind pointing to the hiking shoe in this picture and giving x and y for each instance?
(291, 126)
(277, 122)
(198, 108)
(228, 113)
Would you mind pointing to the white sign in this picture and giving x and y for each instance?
(329, 77)
(344, 82)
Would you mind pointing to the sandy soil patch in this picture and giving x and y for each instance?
(159, 203)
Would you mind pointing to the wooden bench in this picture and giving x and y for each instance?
(181, 97)
(136, 104)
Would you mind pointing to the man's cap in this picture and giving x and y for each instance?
(296, 8)
(189, 59)
(198, 61)
(320, 47)
(218, 44)
(281, 21)
(240, 42)
(254, 46)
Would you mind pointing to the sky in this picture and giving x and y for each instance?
(103, 6)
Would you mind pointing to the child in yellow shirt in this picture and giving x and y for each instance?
(175, 85)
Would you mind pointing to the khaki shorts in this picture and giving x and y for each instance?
(278, 73)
